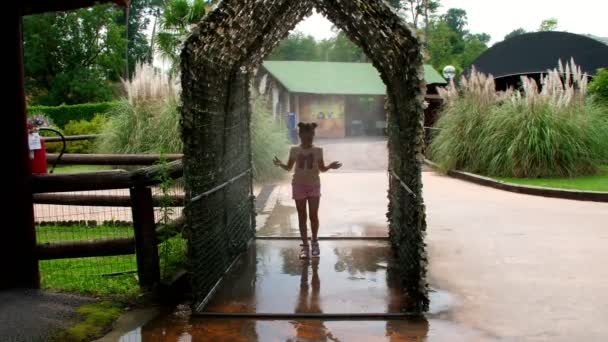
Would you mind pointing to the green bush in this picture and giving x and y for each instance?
(268, 139)
(149, 122)
(62, 115)
(151, 127)
(532, 133)
(132, 129)
(598, 88)
(81, 127)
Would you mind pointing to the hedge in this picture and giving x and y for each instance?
(61, 115)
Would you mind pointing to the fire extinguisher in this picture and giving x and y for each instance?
(38, 149)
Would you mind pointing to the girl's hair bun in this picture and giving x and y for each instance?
(307, 126)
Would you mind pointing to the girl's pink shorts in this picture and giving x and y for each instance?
(300, 191)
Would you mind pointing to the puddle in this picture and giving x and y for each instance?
(178, 326)
(350, 277)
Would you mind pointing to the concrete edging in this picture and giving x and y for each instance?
(579, 195)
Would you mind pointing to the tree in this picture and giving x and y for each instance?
(450, 43)
(418, 9)
(138, 49)
(515, 33)
(440, 50)
(548, 25)
(395, 3)
(342, 49)
(156, 11)
(177, 18)
(474, 45)
(300, 47)
(296, 47)
(456, 18)
(71, 57)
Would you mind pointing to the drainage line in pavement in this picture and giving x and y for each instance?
(211, 293)
(331, 238)
(320, 316)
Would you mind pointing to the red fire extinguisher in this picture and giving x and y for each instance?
(37, 151)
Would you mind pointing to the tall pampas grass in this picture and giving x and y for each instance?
(546, 129)
(148, 120)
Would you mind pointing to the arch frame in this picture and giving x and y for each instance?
(217, 62)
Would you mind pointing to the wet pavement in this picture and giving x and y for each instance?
(509, 267)
(527, 268)
(351, 277)
(352, 205)
(173, 327)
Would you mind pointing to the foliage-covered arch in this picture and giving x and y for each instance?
(217, 62)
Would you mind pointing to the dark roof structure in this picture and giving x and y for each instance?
(532, 54)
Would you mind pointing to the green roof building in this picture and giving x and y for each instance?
(344, 99)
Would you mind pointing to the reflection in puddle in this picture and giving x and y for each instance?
(350, 277)
(173, 328)
(283, 221)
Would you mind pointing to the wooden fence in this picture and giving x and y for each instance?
(48, 189)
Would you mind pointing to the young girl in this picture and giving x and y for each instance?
(306, 185)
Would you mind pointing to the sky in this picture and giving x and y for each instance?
(499, 17)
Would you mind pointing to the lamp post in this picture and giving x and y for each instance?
(449, 72)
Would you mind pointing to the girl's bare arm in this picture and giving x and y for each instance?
(333, 165)
(286, 167)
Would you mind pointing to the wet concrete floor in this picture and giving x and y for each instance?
(178, 328)
(350, 277)
(352, 204)
(510, 267)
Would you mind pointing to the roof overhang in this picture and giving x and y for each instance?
(42, 6)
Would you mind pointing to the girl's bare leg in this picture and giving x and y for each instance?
(313, 212)
(301, 206)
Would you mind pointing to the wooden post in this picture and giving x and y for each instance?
(17, 257)
(148, 267)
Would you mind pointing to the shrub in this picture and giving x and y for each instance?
(598, 88)
(529, 133)
(268, 139)
(149, 122)
(80, 127)
(149, 128)
(62, 115)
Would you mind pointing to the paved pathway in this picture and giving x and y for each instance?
(506, 267)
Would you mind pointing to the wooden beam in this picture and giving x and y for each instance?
(17, 258)
(146, 244)
(151, 175)
(41, 6)
(85, 249)
(111, 159)
(103, 200)
(105, 180)
(84, 200)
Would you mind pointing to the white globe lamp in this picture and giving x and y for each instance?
(449, 72)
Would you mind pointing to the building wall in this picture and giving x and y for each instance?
(328, 111)
(365, 115)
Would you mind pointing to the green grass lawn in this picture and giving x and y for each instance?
(597, 182)
(114, 276)
(77, 232)
(78, 168)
